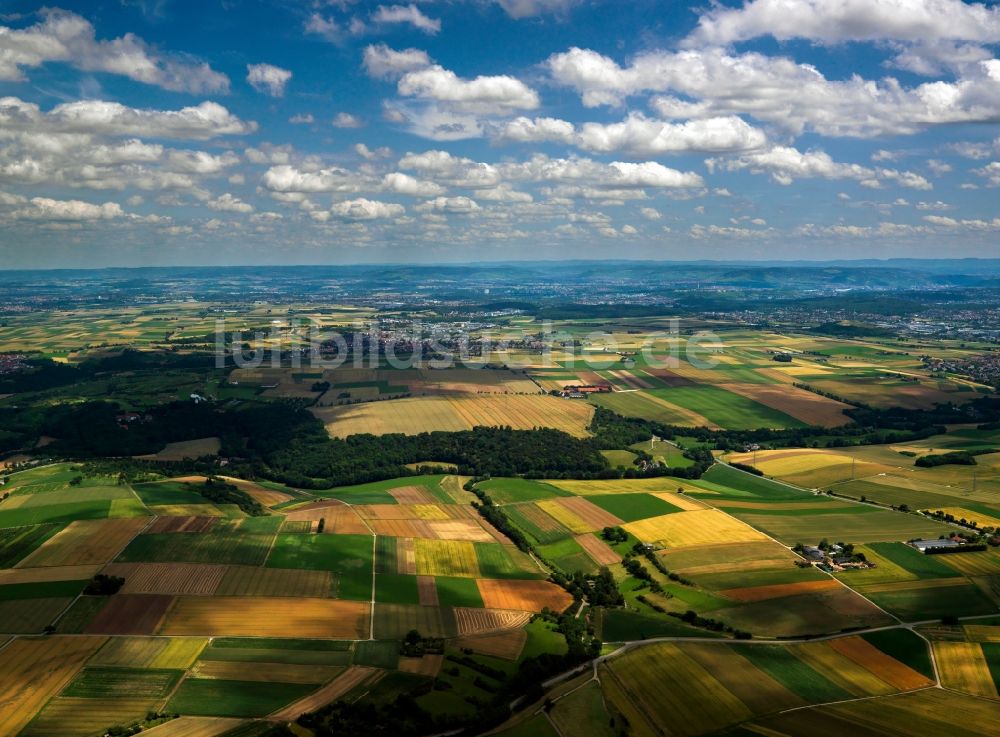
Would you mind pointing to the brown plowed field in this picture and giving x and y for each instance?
(131, 614)
(167, 578)
(528, 596)
(427, 590)
(507, 645)
(776, 591)
(598, 550)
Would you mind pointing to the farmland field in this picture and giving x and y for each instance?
(426, 414)
(342, 528)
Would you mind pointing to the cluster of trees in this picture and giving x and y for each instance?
(956, 458)
(104, 585)
(218, 491)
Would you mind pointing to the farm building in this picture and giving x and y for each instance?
(924, 545)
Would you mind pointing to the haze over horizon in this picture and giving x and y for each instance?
(274, 132)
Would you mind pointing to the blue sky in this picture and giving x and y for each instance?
(151, 132)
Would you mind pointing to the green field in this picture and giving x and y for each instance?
(18, 542)
(630, 507)
(878, 525)
(349, 557)
(377, 653)
(507, 490)
(225, 543)
(41, 590)
(221, 698)
(912, 560)
(919, 604)
(454, 591)
(905, 646)
(726, 409)
(794, 674)
(168, 492)
(108, 683)
(505, 561)
(568, 556)
(397, 588)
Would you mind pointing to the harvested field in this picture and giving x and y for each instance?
(445, 558)
(506, 645)
(724, 557)
(963, 667)
(760, 593)
(803, 405)
(34, 670)
(412, 495)
(462, 529)
(427, 590)
(246, 616)
(404, 511)
(130, 614)
(981, 633)
(598, 550)
(254, 581)
(887, 668)
(406, 556)
(986, 563)
(86, 542)
(681, 501)
(701, 527)
(529, 596)
(167, 578)
(340, 519)
(578, 514)
(270, 672)
(428, 665)
(425, 414)
(352, 678)
(41, 575)
(474, 621)
(182, 524)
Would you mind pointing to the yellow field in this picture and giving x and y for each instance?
(414, 415)
(195, 727)
(787, 462)
(34, 670)
(699, 527)
(985, 563)
(403, 511)
(963, 667)
(248, 616)
(86, 542)
(53, 573)
(983, 520)
(572, 522)
(445, 558)
(661, 679)
(981, 633)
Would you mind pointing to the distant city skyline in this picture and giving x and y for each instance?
(167, 132)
